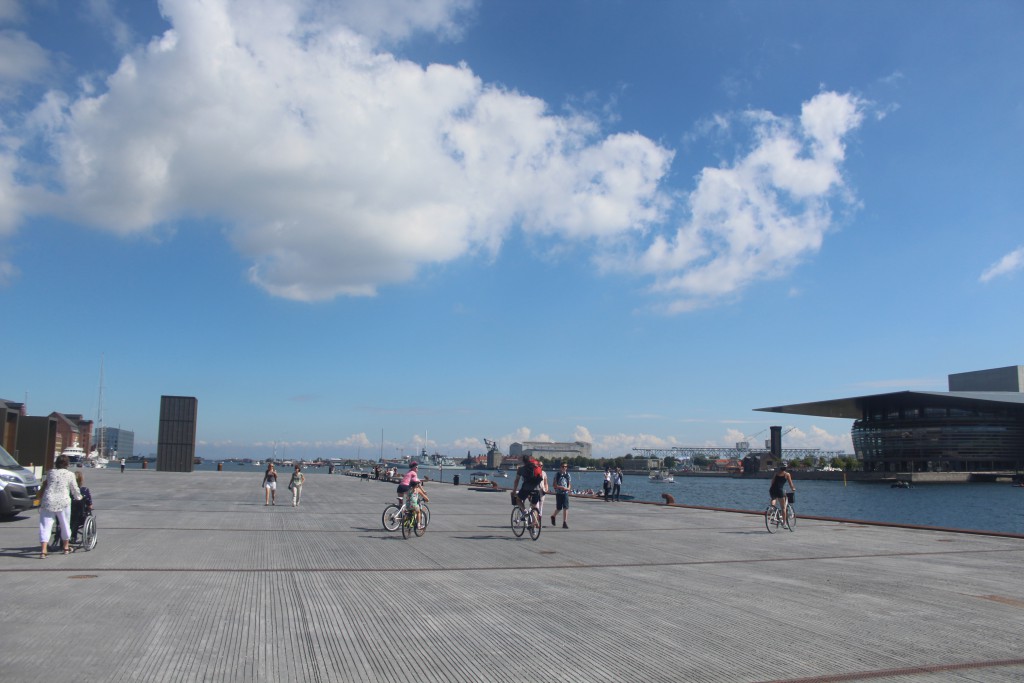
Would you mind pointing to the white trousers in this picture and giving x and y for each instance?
(46, 518)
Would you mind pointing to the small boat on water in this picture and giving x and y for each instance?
(663, 476)
(480, 480)
(901, 484)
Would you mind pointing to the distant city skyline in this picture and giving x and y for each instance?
(630, 224)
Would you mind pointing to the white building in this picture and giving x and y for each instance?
(551, 450)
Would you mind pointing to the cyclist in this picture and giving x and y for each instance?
(408, 479)
(531, 480)
(782, 476)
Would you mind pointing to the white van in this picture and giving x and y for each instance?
(18, 486)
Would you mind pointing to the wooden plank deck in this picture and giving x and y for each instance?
(194, 579)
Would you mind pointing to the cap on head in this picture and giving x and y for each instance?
(413, 465)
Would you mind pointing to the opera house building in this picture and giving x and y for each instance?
(976, 426)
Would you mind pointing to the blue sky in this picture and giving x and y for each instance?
(630, 223)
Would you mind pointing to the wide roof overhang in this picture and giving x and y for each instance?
(853, 408)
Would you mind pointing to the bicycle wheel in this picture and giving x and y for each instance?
(420, 527)
(406, 524)
(89, 533)
(769, 521)
(391, 517)
(518, 521)
(790, 518)
(535, 525)
(425, 515)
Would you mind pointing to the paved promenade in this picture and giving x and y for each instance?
(194, 579)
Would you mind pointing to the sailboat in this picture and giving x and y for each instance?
(96, 457)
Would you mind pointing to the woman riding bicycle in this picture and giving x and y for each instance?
(779, 481)
(408, 480)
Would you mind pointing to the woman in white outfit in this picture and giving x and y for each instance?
(59, 489)
(298, 479)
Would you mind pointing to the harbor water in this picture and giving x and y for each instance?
(982, 507)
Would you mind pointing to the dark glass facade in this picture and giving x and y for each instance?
(176, 441)
(918, 433)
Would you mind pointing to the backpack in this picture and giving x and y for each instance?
(537, 472)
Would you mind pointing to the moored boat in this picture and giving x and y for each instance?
(75, 454)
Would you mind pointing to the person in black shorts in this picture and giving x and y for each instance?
(526, 482)
(778, 483)
(563, 485)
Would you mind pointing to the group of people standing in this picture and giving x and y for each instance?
(269, 485)
(612, 483)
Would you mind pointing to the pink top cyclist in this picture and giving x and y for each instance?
(409, 478)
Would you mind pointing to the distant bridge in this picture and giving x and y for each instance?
(690, 452)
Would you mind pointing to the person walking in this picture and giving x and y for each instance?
(270, 485)
(617, 484)
(295, 485)
(122, 465)
(563, 485)
(58, 490)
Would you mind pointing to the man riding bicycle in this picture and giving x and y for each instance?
(531, 474)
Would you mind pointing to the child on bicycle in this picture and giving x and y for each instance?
(80, 509)
(416, 495)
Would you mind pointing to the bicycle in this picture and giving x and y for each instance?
(392, 517)
(409, 524)
(526, 519)
(773, 516)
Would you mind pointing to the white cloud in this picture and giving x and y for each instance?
(10, 10)
(397, 19)
(338, 168)
(1009, 263)
(22, 60)
(816, 437)
(8, 272)
(758, 217)
(104, 14)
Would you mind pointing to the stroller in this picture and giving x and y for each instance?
(83, 530)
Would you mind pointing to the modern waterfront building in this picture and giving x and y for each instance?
(976, 426)
(117, 443)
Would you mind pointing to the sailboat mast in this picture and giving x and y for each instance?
(99, 413)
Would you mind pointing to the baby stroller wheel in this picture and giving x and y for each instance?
(89, 533)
